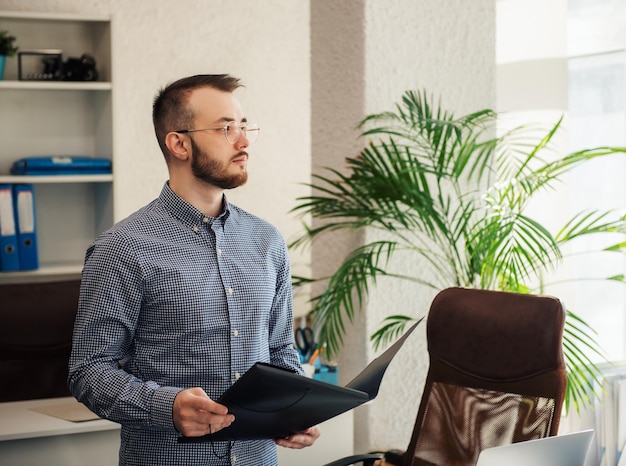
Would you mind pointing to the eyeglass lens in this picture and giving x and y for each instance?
(233, 132)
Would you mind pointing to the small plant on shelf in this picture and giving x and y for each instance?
(7, 44)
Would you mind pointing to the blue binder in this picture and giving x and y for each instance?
(26, 228)
(9, 258)
(61, 165)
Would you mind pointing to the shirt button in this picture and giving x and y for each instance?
(230, 290)
(205, 220)
(219, 252)
(237, 375)
(196, 229)
(234, 458)
(235, 332)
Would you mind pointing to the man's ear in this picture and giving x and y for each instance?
(178, 145)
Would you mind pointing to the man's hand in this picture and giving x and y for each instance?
(306, 438)
(195, 414)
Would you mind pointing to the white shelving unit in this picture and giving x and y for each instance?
(55, 85)
(56, 179)
(59, 118)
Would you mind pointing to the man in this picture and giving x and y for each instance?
(184, 296)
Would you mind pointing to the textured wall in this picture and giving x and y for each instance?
(365, 54)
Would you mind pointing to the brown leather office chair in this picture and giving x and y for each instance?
(496, 376)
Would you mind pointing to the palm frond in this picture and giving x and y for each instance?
(593, 222)
(393, 326)
(346, 291)
(579, 344)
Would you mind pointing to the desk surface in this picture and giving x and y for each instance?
(28, 437)
(18, 421)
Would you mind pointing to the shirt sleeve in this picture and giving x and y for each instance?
(108, 311)
(282, 351)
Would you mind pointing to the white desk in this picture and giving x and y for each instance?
(29, 438)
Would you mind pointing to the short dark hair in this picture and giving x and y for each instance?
(170, 110)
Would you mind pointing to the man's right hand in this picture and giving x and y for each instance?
(195, 414)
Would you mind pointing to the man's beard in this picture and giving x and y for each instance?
(212, 171)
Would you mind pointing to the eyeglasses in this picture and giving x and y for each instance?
(232, 131)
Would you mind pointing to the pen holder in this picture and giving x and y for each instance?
(309, 370)
(326, 373)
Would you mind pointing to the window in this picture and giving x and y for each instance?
(585, 40)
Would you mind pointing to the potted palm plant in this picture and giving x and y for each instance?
(449, 192)
(7, 49)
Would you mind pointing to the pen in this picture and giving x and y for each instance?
(314, 356)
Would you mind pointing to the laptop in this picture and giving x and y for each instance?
(561, 450)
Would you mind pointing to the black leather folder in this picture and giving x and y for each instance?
(270, 402)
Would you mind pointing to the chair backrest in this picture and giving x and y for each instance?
(496, 376)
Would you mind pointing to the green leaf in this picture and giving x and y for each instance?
(392, 328)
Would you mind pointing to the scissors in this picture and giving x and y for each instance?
(305, 341)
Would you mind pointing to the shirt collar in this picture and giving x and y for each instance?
(188, 214)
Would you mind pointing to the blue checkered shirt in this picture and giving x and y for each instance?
(172, 299)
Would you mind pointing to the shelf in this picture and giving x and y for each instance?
(12, 179)
(72, 117)
(52, 272)
(56, 85)
(33, 16)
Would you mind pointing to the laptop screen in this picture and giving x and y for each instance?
(561, 450)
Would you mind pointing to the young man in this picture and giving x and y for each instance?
(185, 295)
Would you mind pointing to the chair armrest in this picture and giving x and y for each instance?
(367, 459)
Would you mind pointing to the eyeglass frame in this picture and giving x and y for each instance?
(243, 129)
